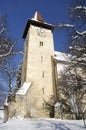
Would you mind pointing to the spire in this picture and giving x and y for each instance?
(38, 17)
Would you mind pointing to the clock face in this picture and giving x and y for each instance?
(41, 32)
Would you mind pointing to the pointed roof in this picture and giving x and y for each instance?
(38, 17)
(37, 20)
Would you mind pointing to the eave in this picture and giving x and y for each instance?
(36, 23)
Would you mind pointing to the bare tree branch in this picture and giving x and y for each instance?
(8, 53)
(79, 8)
(2, 30)
(17, 52)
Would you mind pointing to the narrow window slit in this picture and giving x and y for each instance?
(41, 58)
(43, 74)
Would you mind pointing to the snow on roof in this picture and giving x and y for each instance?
(38, 21)
(59, 56)
(37, 17)
(24, 88)
(6, 103)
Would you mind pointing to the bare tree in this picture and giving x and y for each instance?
(2, 95)
(72, 83)
(8, 51)
(71, 93)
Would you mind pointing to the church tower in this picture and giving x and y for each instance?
(38, 68)
(38, 72)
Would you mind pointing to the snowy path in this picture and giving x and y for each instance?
(42, 124)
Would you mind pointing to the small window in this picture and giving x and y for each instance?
(43, 90)
(41, 58)
(41, 43)
(43, 74)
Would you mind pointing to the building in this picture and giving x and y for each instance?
(40, 73)
(38, 82)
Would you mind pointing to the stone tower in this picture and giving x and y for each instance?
(38, 65)
(38, 78)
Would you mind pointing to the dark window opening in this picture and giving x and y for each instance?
(43, 74)
(41, 43)
(43, 90)
(41, 58)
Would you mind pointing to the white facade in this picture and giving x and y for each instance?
(62, 60)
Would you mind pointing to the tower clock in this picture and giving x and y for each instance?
(41, 31)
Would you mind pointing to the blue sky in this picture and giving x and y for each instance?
(20, 10)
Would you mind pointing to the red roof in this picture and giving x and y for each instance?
(38, 17)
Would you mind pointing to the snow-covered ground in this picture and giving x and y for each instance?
(42, 124)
